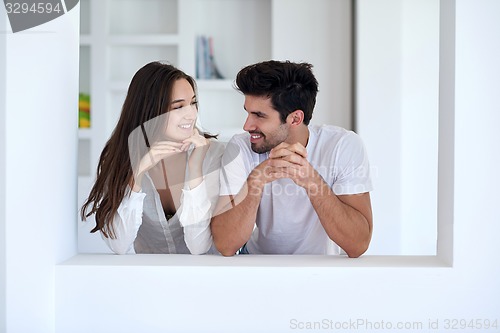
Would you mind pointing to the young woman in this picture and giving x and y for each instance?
(158, 175)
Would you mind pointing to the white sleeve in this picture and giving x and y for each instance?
(353, 167)
(195, 219)
(197, 206)
(126, 222)
(234, 171)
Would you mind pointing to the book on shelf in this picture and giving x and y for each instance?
(206, 67)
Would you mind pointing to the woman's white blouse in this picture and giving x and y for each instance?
(140, 224)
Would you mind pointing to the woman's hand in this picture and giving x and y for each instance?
(196, 139)
(195, 163)
(157, 152)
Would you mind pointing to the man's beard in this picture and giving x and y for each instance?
(279, 136)
(264, 148)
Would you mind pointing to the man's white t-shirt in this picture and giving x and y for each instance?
(286, 220)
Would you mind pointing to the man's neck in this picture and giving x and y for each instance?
(300, 134)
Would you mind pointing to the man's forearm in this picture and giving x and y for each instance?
(347, 226)
(232, 228)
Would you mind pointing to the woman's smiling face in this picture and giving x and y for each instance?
(183, 110)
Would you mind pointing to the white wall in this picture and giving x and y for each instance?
(419, 125)
(3, 82)
(397, 117)
(39, 93)
(253, 294)
(378, 113)
(319, 32)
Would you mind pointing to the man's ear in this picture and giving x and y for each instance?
(295, 118)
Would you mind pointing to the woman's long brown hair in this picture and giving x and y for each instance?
(148, 96)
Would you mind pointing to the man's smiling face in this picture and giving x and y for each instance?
(264, 124)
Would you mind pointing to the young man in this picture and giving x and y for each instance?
(288, 187)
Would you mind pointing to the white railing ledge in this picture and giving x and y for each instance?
(182, 260)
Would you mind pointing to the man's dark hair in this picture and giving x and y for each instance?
(291, 86)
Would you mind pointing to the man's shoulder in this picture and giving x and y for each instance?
(240, 141)
(332, 129)
(238, 145)
(329, 134)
